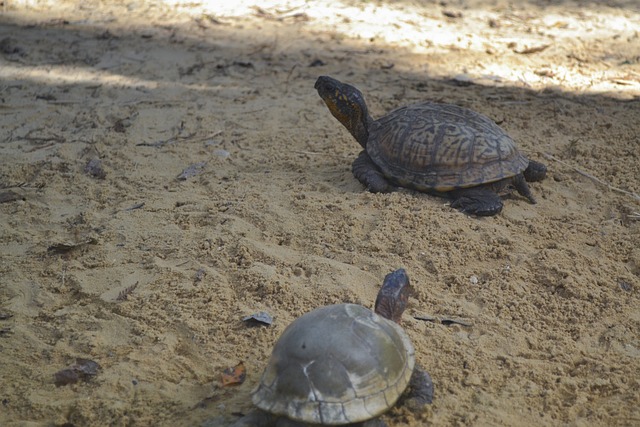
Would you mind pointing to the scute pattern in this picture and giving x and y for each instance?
(441, 147)
(336, 365)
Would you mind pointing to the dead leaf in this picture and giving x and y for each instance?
(124, 294)
(234, 376)
(64, 247)
(530, 50)
(258, 319)
(94, 169)
(191, 171)
(83, 369)
(10, 196)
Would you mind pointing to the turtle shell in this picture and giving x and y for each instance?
(441, 147)
(336, 365)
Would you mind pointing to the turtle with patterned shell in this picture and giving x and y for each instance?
(342, 364)
(440, 149)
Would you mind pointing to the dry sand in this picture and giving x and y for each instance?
(149, 275)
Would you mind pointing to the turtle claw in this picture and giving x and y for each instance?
(521, 186)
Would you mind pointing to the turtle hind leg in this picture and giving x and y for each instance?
(369, 175)
(536, 171)
(521, 186)
(479, 201)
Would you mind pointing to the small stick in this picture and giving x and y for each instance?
(124, 294)
(134, 207)
(593, 178)
(312, 153)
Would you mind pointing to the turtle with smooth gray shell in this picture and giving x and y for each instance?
(441, 149)
(342, 364)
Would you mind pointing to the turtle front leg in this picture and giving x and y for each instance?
(479, 201)
(536, 171)
(369, 175)
(420, 390)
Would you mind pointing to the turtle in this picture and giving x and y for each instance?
(436, 148)
(342, 364)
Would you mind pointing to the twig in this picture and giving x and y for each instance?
(286, 89)
(211, 136)
(165, 142)
(311, 153)
(593, 178)
(22, 185)
(447, 321)
(154, 101)
(134, 207)
(64, 102)
(124, 294)
(40, 147)
(29, 137)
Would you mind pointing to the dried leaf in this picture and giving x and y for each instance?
(234, 376)
(83, 369)
(452, 14)
(191, 171)
(65, 377)
(86, 366)
(531, 50)
(624, 82)
(258, 319)
(64, 247)
(199, 275)
(134, 207)
(94, 169)
(10, 196)
(124, 294)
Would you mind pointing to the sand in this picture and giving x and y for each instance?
(167, 169)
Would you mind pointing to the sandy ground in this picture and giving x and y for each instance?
(111, 253)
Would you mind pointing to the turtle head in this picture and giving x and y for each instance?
(394, 295)
(346, 103)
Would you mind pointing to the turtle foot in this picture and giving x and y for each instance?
(536, 171)
(420, 389)
(369, 175)
(477, 201)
